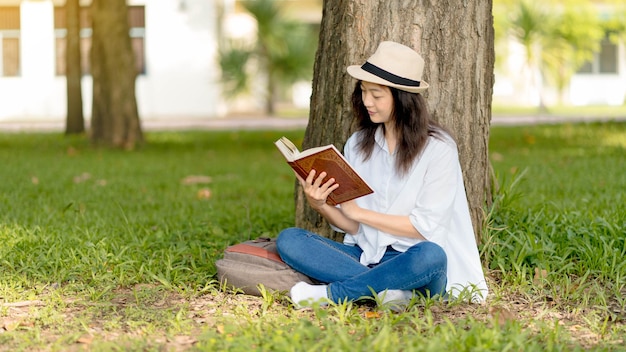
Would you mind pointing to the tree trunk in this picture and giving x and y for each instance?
(115, 119)
(271, 91)
(456, 40)
(75, 121)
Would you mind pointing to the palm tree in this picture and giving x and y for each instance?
(558, 37)
(283, 52)
(570, 42)
(529, 25)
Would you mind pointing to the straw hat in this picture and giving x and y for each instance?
(393, 65)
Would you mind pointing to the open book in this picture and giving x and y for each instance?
(326, 158)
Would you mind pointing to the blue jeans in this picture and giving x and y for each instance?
(422, 267)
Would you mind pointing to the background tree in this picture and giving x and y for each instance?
(114, 119)
(501, 27)
(456, 41)
(571, 40)
(558, 37)
(529, 25)
(282, 53)
(75, 121)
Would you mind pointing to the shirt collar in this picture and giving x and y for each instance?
(379, 137)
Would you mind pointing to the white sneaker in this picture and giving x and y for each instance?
(304, 295)
(396, 300)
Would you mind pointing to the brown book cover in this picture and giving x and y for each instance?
(326, 158)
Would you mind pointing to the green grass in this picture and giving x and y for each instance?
(110, 250)
(566, 214)
(116, 216)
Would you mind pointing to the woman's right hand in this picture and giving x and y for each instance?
(316, 190)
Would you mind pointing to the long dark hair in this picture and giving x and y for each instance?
(413, 126)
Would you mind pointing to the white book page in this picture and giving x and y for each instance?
(313, 151)
(291, 152)
(287, 148)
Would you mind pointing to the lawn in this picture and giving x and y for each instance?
(114, 250)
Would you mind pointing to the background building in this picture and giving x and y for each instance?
(176, 45)
(174, 41)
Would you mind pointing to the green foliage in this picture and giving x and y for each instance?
(564, 214)
(614, 20)
(558, 37)
(571, 42)
(529, 22)
(235, 79)
(283, 51)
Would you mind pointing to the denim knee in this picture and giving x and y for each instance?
(431, 253)
(286, 237)
(288, 241)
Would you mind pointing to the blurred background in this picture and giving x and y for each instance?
(208, 59)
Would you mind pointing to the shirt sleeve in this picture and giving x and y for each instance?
(434, 206)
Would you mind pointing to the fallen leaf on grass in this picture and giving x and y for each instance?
(372, 315)
(10, 324)
(540, 276)
(71, 151)
(34, 180)
(183, 340)
(204, 193)
(196, 179)
(501, 315)
(85, 339)
(82, 177)
(21, 304)
(530, 139)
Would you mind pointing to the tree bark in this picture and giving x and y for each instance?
(75, 121)
(115, 118)
(456, 40)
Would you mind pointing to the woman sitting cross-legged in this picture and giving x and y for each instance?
(414, 233)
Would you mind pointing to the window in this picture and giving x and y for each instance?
(137, 21)
(10, 41)
(136, 17)
(607, 59)
(604, 62)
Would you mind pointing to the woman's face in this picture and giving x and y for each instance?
(378, 101)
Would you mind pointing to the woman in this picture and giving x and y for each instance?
(414, 233)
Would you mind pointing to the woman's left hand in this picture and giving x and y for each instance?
(316, 189)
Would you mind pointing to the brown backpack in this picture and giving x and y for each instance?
(248, 264)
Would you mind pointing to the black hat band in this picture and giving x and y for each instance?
(375, 70)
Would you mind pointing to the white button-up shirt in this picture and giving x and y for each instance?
(432, 194)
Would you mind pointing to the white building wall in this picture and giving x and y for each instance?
(31, 95)
(600, 89)
(515, 85)
(181, 80)
(182, 77)
(36, 42)
(515, 82)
